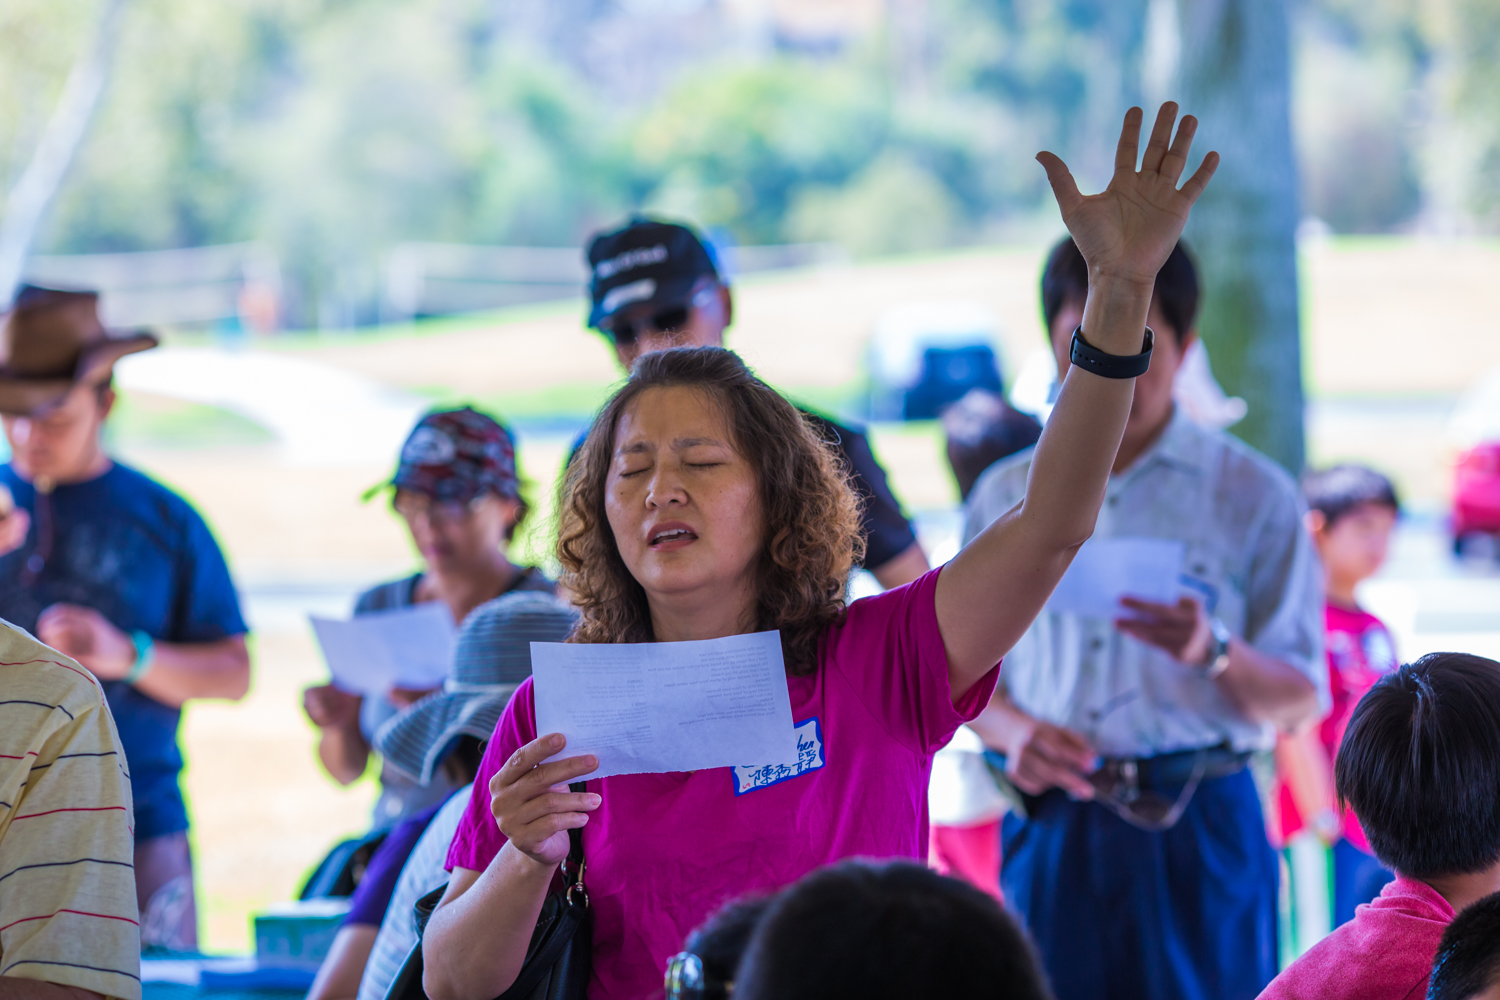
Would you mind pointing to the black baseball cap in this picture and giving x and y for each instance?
(645, 261)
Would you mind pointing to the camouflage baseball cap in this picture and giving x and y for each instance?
(457, 455)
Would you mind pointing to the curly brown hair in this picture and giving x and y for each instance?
(811, 514)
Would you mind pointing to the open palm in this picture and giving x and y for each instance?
(1128, 230)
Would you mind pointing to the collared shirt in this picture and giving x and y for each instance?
(1248, 559)
(67, 886)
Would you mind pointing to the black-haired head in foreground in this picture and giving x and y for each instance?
(892, 930)
(1065, 279)
(1467, 966)
(1338, 490)
(717, 945)
(1420, 766)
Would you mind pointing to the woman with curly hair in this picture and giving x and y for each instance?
(703, 506)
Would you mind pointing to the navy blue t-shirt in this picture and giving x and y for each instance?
(138, 554)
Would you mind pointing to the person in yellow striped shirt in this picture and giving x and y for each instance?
(69, 926)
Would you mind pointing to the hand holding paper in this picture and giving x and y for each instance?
(407, 648)
(667, 706)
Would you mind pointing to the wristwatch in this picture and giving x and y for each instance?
(1217, 660)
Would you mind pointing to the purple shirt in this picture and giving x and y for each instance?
(666, 850)
(372, 897)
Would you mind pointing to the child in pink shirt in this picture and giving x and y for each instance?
(1351, 514)
(1420, 766)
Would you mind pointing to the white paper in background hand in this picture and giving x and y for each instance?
(409, 647)
(655, 707)
(1107, 569)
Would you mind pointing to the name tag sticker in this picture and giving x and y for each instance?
(750, 777)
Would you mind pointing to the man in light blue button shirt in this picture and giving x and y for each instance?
(1142, 865)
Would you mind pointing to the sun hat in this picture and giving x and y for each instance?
(457, 455)
(645, 261)
(491, 659)
(51, 340)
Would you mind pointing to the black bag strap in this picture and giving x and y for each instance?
(571, 907)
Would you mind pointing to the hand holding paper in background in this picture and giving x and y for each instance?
(667, 706)
(1108, 569)
(372, 654)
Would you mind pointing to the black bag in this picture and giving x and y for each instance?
(558, 960)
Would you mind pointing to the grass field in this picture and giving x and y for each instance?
(1394, 330)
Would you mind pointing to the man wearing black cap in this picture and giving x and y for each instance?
(655, 286)
(114, 570)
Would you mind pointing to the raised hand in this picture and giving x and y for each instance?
(1128, 230)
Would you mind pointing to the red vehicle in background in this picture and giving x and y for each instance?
(1475, 428)
(1476, 495)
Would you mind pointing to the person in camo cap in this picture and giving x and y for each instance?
(457, 489)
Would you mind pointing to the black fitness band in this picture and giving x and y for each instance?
(1091, 359)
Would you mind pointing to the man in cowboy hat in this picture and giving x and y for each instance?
(114, 570)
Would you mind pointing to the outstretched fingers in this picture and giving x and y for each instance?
(1161, 135)
(1175, 160)
(1130, 141)
(1196, 183)
(1064, 187)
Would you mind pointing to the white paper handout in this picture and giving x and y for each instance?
(408, 647)
(667, 706)
(1107, 569)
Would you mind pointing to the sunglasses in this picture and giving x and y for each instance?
(1118, 789)
(686, 980)
(669, 319)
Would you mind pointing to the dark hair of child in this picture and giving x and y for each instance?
(1066, 279)
(981, 429)
(1468, 959)
(896, 930)
(1420, 766)
(721, 940)
(1338, 490)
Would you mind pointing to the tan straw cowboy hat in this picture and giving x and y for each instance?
(52, 340)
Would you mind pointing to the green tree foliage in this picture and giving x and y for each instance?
(1474, 101)
(335, 129)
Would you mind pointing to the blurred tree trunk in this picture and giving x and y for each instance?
(1234, 74)
(27, 202)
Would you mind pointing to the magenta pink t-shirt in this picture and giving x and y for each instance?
(666, 850)
(1384, 953)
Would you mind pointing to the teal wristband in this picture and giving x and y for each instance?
(144, 647)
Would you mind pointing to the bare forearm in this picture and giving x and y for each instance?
(902, 568)
(17, 988)
(1302, 760)
(993, 590)
(339, 975)
(476, 942)
(344, 753)
(180, 671)
(1077, 449)
(998, 722)
(1266, 689)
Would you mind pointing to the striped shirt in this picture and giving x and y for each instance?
(67, 881)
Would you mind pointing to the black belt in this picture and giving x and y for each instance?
(1149, 792)
(1172, 770)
